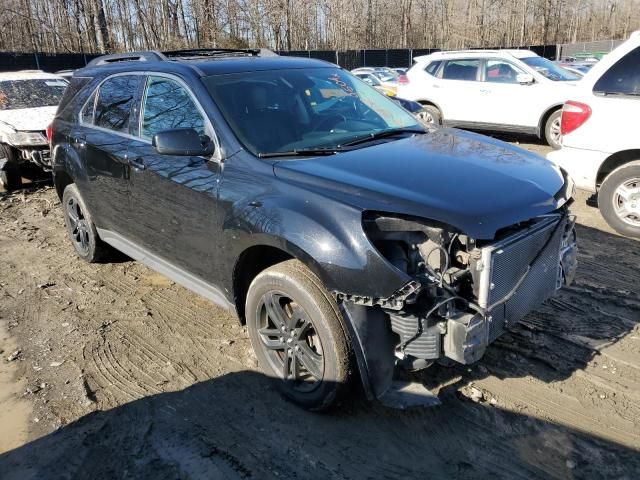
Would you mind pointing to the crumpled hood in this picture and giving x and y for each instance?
(472, 182)
(27, 119)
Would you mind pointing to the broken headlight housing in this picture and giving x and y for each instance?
(26, 139)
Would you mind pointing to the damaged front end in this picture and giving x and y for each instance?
(32, 146)
(463, 292)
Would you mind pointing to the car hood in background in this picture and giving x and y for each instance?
(474, 183)
(28, 119)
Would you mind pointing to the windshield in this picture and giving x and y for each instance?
(300, 109)
(550, 69)
(15, 94)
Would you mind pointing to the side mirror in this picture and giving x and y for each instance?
(183, 142)
(525, 79)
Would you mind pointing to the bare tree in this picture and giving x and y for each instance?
(119, 25)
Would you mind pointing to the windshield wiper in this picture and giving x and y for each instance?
(382, 134)
(303, 152)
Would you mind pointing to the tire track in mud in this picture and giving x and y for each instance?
(179, 401)
(147, 361)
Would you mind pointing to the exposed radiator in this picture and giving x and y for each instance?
(520, 272)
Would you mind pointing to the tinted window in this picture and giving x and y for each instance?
(461, 69)
(72, 89)
(623, 77)
(432, 68)
(16, 94)
(499, 71)
(167, 105)
(115, 99)
(86, 115)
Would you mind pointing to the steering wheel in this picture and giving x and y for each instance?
(326, 119)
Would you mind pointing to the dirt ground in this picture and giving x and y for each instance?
(113, 371)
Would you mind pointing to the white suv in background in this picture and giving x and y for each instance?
(499, 90)
(601, 136)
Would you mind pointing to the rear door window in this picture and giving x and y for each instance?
(168, 105)
(623, 78)
(116, 98)
(462, 69)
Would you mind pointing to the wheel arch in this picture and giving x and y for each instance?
(61, 180)
(614, 162)
(68, 167)
(545, 116)
(431, 103)
(259, 257)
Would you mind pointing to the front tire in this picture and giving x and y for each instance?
(80, 227)
(429, 115)
(10, 177)
(619, 199)
(552, 133)
(296, 332)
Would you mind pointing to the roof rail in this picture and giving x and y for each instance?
(146, 56)
(212, 52)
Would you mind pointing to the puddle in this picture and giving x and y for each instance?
(15, 412)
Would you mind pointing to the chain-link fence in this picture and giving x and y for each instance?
(570, 50)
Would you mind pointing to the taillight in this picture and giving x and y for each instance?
(403, 80)
(574, 114)
(49, 133)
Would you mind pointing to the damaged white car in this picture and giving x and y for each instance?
(28, 103)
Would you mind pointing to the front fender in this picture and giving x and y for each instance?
(325, 235)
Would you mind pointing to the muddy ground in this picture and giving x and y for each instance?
(116, 372)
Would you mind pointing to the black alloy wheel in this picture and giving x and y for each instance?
(297, 333)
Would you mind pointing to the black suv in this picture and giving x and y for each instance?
(353, 241)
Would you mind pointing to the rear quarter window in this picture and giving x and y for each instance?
(623, 78)
(432, 68)
(67, 103)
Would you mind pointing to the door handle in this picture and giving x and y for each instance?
(436, 86)
(485, 91)
(137, 163)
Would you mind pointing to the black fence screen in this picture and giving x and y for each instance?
(11, 62)
(397, 58)
(349, 59)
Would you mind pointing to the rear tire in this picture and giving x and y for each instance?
(296, 332)
(552, 130)
(10, 177)
(80, 227)
(429, 115)
(619, 199)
